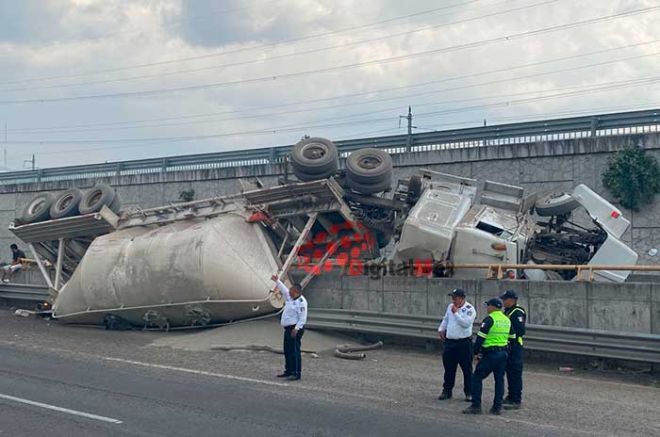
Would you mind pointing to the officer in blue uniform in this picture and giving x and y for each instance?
(514, 364)
(294, 317)
(490, 349)
(456, 333)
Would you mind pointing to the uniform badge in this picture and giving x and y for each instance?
(520, 319)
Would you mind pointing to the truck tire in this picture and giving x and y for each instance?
(369, 166)
(66, 204)
(373, 188)
(95, 198)
(115, 206)
(315, 156)
(38, 209)
(307, 177)
(555, 204)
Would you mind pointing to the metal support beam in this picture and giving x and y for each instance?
(296, 247)
(58, 265)
(40, 263)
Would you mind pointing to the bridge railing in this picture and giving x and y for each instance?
(624, 123)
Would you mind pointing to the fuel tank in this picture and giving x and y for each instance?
(189, 273)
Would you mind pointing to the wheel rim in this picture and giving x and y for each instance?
(37, 206)
(66, 202)
(314, 151)
(95, 198)
(369, 162)
(554, 198)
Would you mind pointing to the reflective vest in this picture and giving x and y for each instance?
(519, 340)
(498, 335)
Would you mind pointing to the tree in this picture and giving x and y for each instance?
(632, 177)
(187, 195)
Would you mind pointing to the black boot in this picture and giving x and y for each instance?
(444, 395)
(472, 410)
(496, 411)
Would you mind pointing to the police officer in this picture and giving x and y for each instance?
(490, 349)
(294, 317)
(456, 332)
(514, 364)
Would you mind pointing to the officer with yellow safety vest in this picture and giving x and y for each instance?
(490, 349)
(514, 364)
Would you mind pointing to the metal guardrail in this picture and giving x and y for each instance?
(625, 123)
(24, 292)
(573, 341)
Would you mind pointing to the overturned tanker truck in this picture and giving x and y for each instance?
(209, 261)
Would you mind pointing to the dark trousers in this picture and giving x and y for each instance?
(292, 355)
(514, 371)
(492, 362)
(457, 353)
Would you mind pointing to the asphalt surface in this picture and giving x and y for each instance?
(68, 381)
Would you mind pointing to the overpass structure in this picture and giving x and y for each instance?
(561, 129)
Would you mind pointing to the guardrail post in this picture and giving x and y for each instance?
(272, 155)
(117, 173)
(163, 169)
(594, 126)
(40, 173)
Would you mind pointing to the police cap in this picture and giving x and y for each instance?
(509, 294)
(457, 292)
(495, 302)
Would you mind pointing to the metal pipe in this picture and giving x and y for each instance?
(44, 273)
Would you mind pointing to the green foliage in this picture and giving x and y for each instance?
(632, 177)
(187, 195)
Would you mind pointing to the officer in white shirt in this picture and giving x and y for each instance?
(294, 317)
(456, 333)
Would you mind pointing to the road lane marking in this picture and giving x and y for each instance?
(195, 372)
(60, 409)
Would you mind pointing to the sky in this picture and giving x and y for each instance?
(89, 81)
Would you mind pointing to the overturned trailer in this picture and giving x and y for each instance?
(209, 261)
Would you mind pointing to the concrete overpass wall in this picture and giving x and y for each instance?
(629, 307)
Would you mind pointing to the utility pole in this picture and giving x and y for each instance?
(30, 161)
(408, 117)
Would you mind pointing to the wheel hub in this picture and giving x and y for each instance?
(369, 162)
(314, 151)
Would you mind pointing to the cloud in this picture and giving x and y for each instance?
(101, 47)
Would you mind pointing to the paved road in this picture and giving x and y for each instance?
(51, 376)
(168, 402)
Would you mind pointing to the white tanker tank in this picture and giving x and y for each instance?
(186, 273)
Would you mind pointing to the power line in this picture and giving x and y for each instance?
(360, 94)
(282, 56)
(344, 67)
(242, 49)
(425, 93)
(288, 128)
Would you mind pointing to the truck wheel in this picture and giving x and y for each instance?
(369, 188)
(38, 209)
(66, 204)
(555, 204)
(369, 166)
(115, 206)
(314, 156)
(95, 198)
(306, 177)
